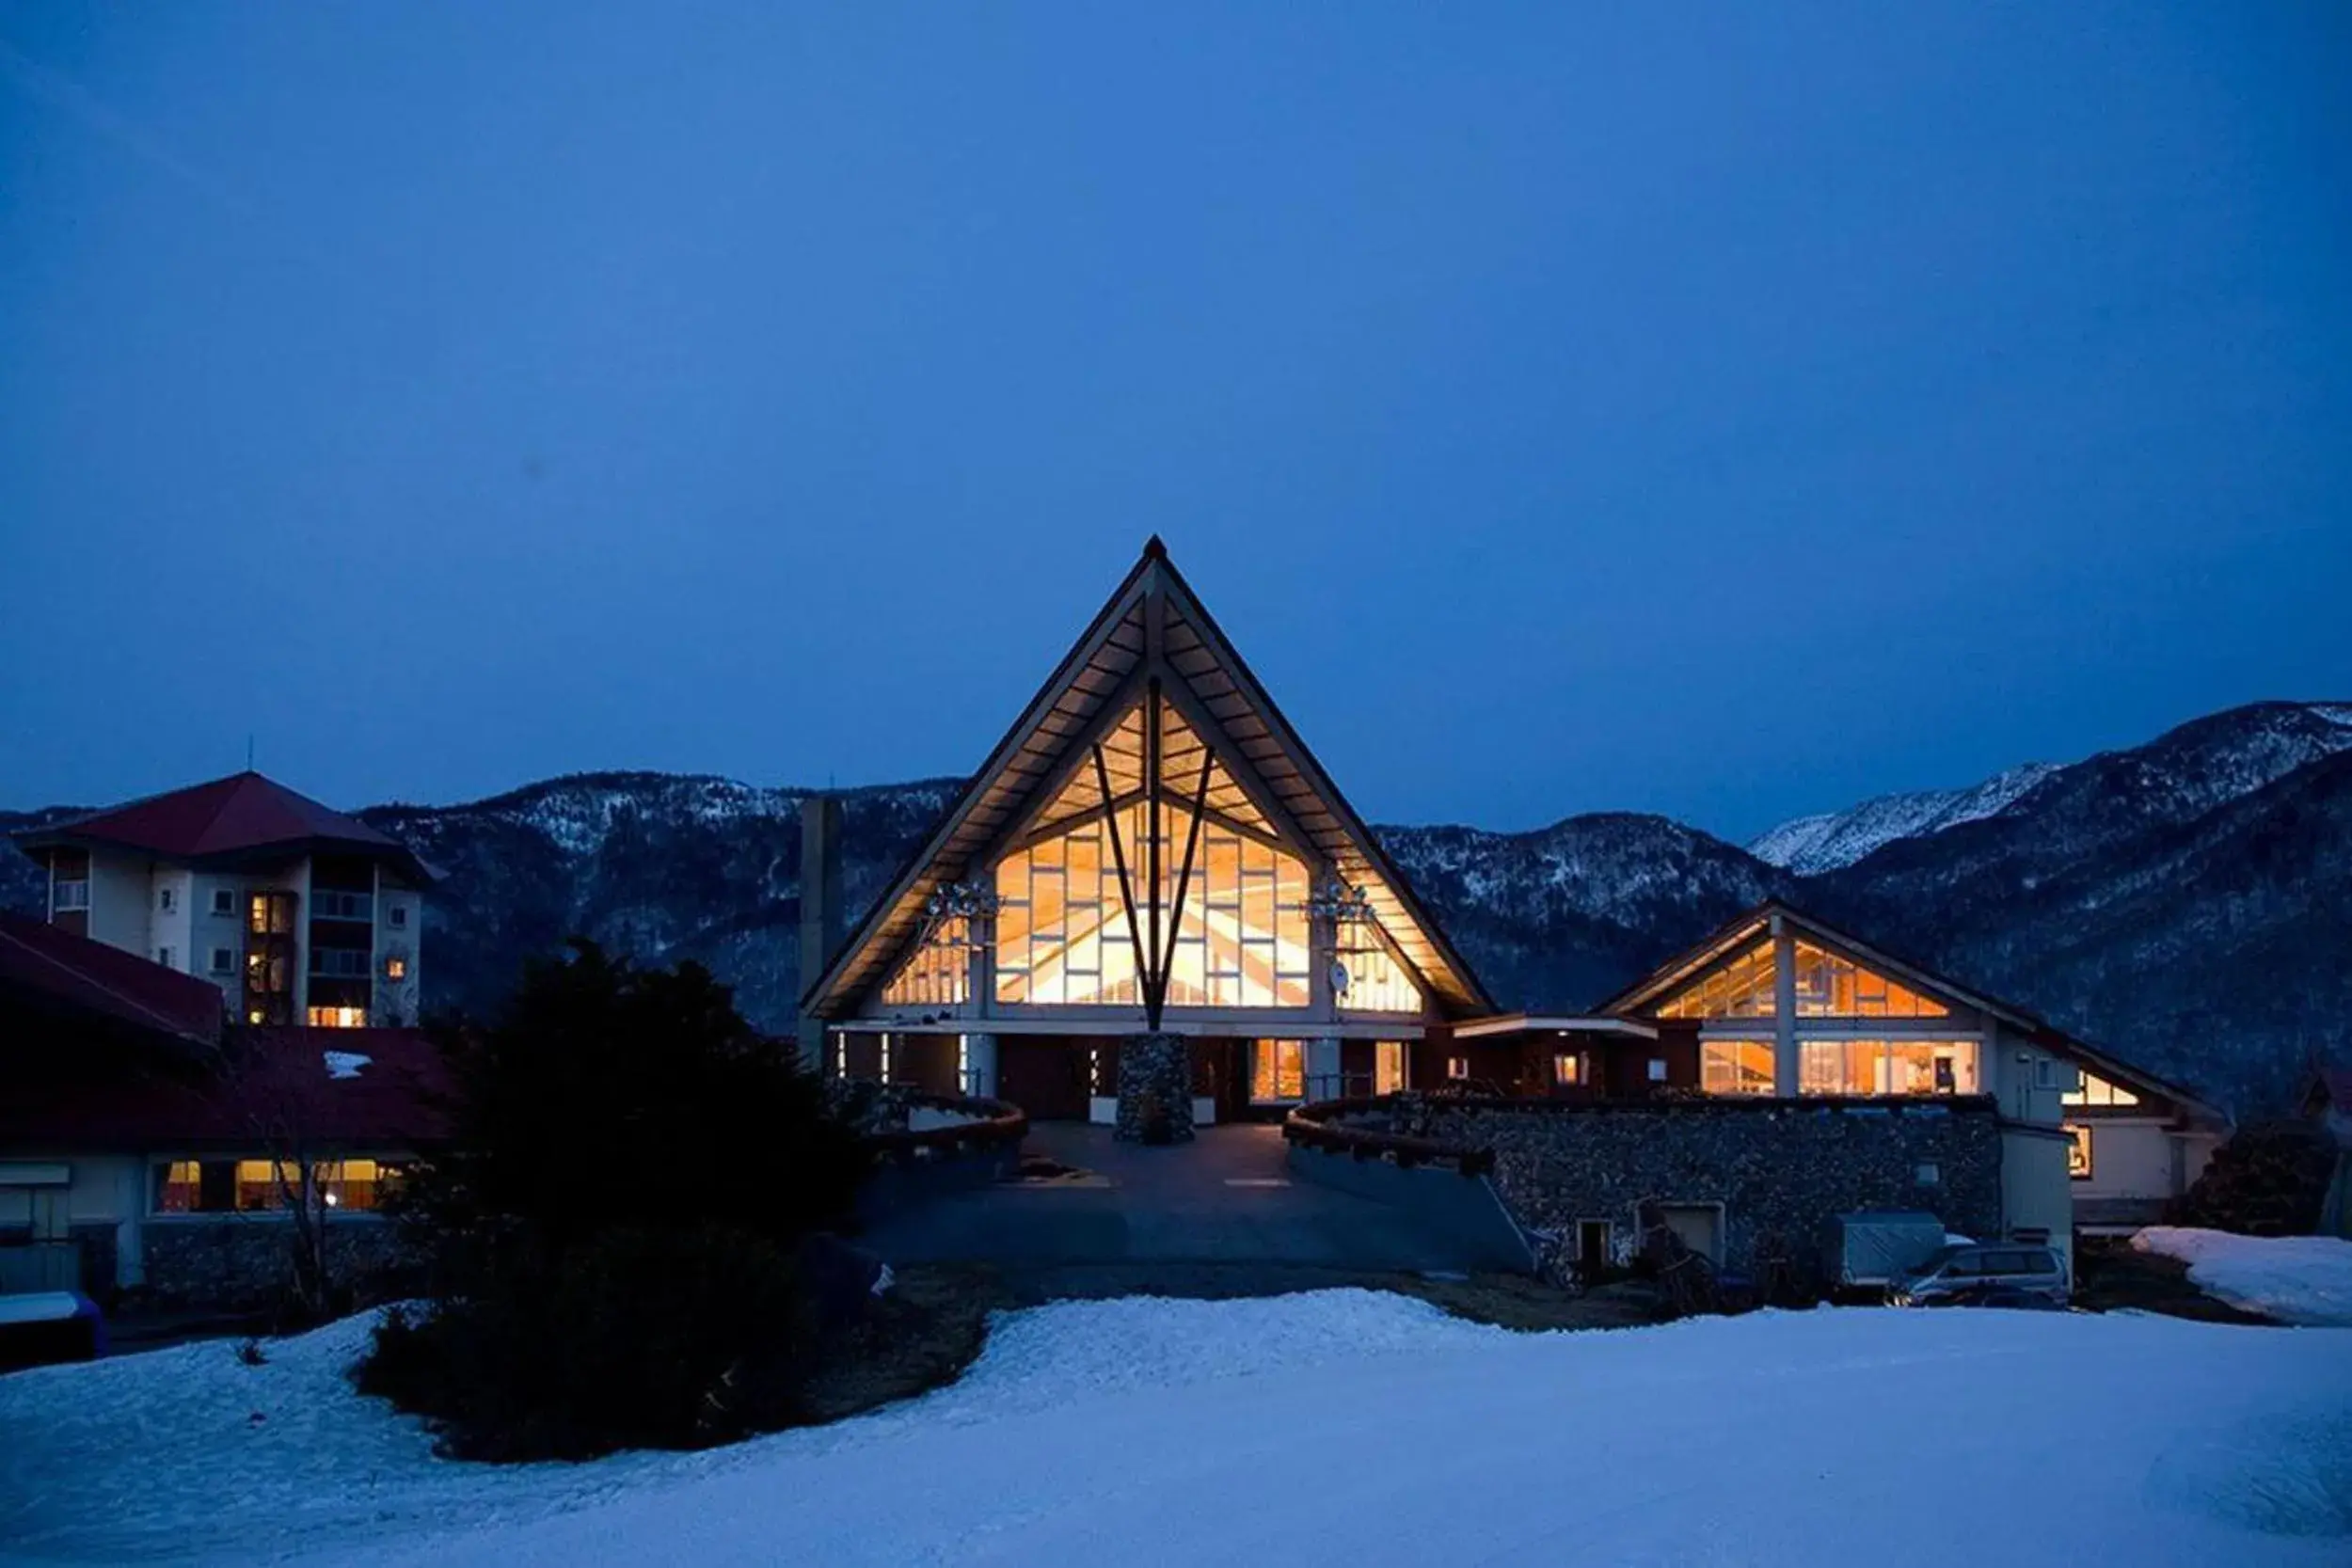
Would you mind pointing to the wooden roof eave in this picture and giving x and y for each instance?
(821, 995)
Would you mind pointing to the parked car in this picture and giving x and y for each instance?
(1990, 1273)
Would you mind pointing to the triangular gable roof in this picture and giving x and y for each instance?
(1735, 935)
(1152, 624)
(240, 815)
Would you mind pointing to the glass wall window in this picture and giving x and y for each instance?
(1736, 1067)
(1740, 989)
(1888, 1066)
(1829, 986)
(2098, 1091)
(1278, 1069)
(1062, 936)
(229, 1186)
(939, 973)
(1377, 983)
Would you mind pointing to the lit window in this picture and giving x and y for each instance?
(1874, 1068)
(1568, 1069)
(1658, 1069)
(1736, 1067)
(1458, 1067)
(1741, 987)
(2098, 1091)
(262, 1184)
(354, 1186)
(1829, 986)
(1278, 1069)
(1063, 936)
(1388, 1067)
(395, 969)
(2078, 1152)
(1377, 983)
(939, 971)
(338, 1017)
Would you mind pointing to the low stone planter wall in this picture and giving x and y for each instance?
(1776, 1168)
(939, 1144)
(240, 1262)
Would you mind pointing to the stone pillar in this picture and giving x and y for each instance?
(1322, 1071)
(979, 1065)
(1154, 1090)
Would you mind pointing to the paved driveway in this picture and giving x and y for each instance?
(1223, 1204)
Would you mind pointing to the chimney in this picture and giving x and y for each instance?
(820, 909)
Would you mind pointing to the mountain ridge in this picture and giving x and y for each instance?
(2081, 894)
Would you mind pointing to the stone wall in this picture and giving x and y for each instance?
(1779, 1166)
(238, 1262)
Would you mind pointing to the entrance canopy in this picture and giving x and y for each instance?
(1151, 824)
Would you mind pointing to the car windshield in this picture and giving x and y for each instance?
(1936, 1260)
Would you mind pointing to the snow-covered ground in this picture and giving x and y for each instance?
(2295, 1279)
(1341, 1427)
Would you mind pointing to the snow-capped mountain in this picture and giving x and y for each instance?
(1810, 845)
(2188, 770)
(2186, 903)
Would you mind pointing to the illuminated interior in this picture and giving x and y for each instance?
(2079, 1151)
(1388, 1067)
(1278, 1069)
(226, 1186)
(1063, 936)
(938, 973)
(338, 1017)
(1740, 988)
(2098, 1091)
(1826, 985)
(1887, 1067)
(1736, 1067)
(1377, 983)
(1829, 986)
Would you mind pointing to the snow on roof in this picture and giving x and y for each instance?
(345, 1064)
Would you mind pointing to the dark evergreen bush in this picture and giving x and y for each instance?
(613, 1235)
(2268, 1180)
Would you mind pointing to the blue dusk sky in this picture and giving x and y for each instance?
(1721, 411)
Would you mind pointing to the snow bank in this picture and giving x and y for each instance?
(1347, 1426)
(2295, 1279)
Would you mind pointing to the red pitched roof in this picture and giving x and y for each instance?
(396, 1100)
(228, 816)
(78, 974)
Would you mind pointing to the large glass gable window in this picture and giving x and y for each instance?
(1740, 988)
(939, 971)
(1064, 934)
(1829, 986)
